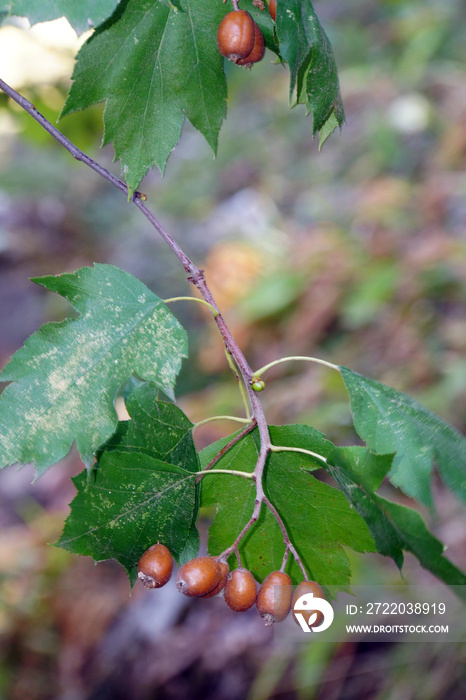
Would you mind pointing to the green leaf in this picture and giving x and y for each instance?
(192, 544)
(162, 431)
(154, 66)
(81, 14)
(128, 503)
(318, 518)
(173, 3)
(394, 527)
(158, 429)
(301, 437)
(66, 375)
(313, 73)
(328, 128)
(389, 421)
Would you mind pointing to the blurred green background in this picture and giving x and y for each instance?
(356, 254)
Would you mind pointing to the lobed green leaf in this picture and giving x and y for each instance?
(157, 428)
(154, 66)
(126, 504)
(389, 421)
(162, 431)
(156, 63)
(66, 376)
(394, 527)
(305, 46)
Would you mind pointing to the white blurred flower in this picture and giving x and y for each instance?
(409, 113)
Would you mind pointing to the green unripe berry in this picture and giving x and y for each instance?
(257, 384)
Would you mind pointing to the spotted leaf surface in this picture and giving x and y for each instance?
(394, 527)
(65, 378)
(126, 504)
(305, 46)
(389, 421)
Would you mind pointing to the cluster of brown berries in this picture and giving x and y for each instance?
(240, 39)
(205, 577)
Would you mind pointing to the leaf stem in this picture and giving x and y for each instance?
(286, 556)
(239, 436)
(296, 357)
(286, 539)
(240, 383)
(234, 547)
(58, 136)
(200, 301)
(233, 472)
(281, 448)
(213, 418)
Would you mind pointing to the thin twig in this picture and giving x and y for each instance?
(253, 519)
(62, 140)
(285, 559)
(239, 379)
(228, 446)
(286, 539)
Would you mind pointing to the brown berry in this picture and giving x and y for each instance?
(235, 35)
(303, 588)
(155, 566)
(240, 590)
(274, 597)
(273, 9)
(258, 50)
(198, 577)
(224, 571)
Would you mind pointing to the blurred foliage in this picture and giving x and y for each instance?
(356, 254)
